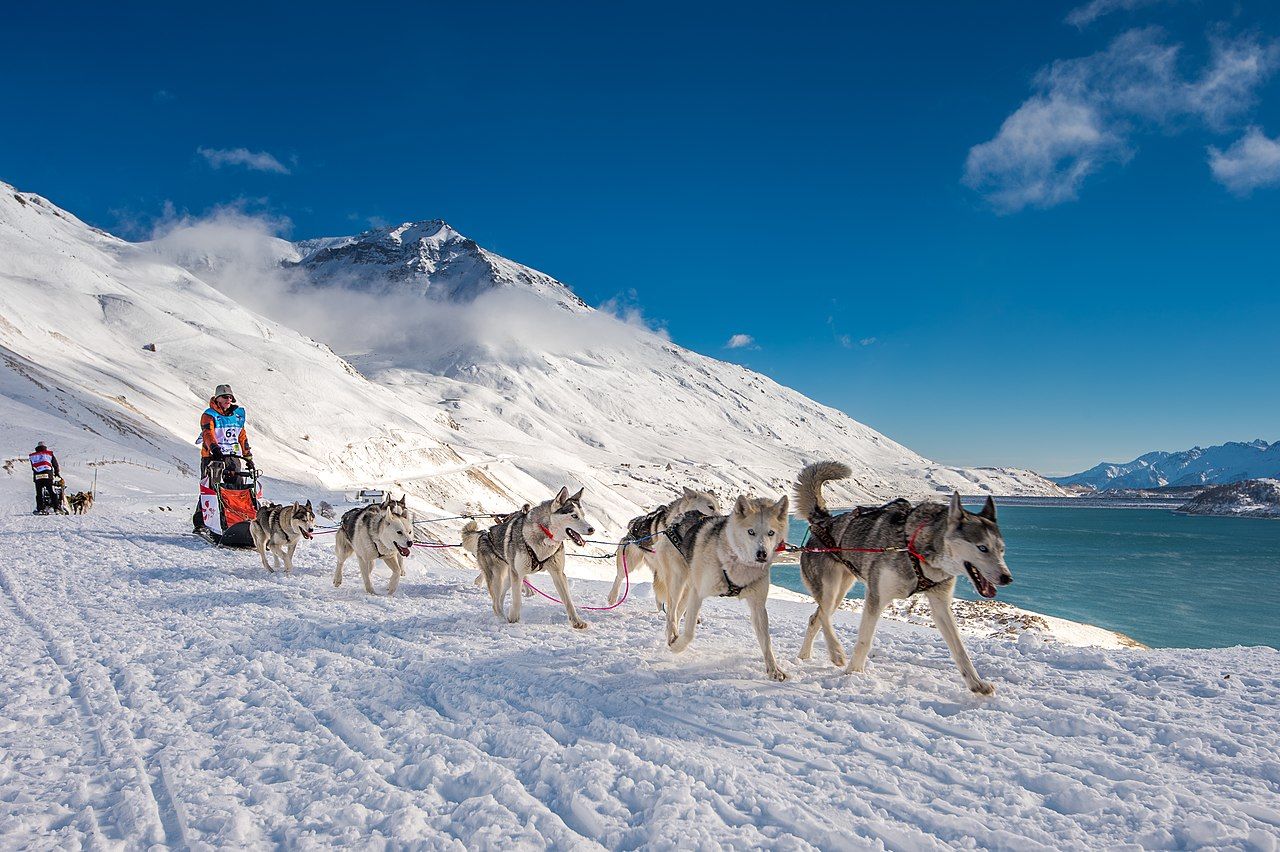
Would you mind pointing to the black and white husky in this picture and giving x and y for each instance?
(525, 543)
(896, 550)
(280, 529)
(642, 531)
(379, 531)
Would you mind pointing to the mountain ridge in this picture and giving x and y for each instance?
(1221, 464)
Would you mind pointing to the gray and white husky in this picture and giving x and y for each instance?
(949, 541)
(525, 543)
(280, 529)
(726, 556)
(642, 531)
(379, 531)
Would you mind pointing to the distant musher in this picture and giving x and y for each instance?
(44, 470)
(222, 433)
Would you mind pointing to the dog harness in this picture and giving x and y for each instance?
(818, 527)
(505, 528)
(642, 528)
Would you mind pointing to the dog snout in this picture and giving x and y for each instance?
(591, 530)
(1005, 579)
(761, 556)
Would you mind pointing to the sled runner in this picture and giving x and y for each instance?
(229, 495)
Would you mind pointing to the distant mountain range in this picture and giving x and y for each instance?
(1220, 465)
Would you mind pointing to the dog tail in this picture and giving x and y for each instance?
(471, 537)
(809, 501)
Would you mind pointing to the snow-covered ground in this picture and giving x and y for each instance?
(155, 690)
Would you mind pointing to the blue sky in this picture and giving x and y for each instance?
(998, 236)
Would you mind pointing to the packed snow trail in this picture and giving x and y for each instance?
(155, 690)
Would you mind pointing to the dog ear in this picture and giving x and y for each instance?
(989, 509)
(741, 506)
(688, 493)
(308, 504)
(577, 498)
(780, 508)
(561, 498)
(955, 512)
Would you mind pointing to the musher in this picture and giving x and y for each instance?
(222, 433)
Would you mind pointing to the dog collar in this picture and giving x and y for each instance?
(547, 532)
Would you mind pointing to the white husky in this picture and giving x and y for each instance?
(725, 555)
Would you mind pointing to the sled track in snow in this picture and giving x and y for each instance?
(153, 814)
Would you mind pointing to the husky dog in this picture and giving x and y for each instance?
(912, 549)
(379, 531)
(80, 502)
(279, 529)
(726, 555)
(525, 543)
(642, 531)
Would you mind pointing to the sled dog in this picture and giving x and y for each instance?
(280, 529)
(726, 555)
(380, 531)
(80, 502)
(641, 532)
(921, 548)
(525, 543)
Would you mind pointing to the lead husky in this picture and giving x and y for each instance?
(525, 543)
(379, 531)
(642, 531)
(279, 529)
(949, 540)
(726, 555)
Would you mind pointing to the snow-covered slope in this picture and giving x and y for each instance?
(155, 691)
(1252, 498)
(1218, 465)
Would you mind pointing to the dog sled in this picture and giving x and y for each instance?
(229, 494)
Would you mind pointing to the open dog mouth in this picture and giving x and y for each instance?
(573, 535)
(981, 583)
(306, 534)
(404, 551)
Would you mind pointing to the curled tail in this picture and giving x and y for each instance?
(471, 537)
(809, 501)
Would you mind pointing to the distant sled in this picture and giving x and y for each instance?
(229, 494)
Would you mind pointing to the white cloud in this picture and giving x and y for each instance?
(1087, 110)
(867, 341)
(741, 341)
(259, 161)
(1082, 16)
(1252, 162)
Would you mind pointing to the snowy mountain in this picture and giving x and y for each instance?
(1252, 498)
(1230, 462)
(426, 258)
(480, 382)
(538, 379)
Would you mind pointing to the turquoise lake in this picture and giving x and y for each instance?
(1167, 580)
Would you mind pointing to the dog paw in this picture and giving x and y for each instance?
(513, 619)
(838, 660)
(983, 687)
(777, 674)
(579, 625)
